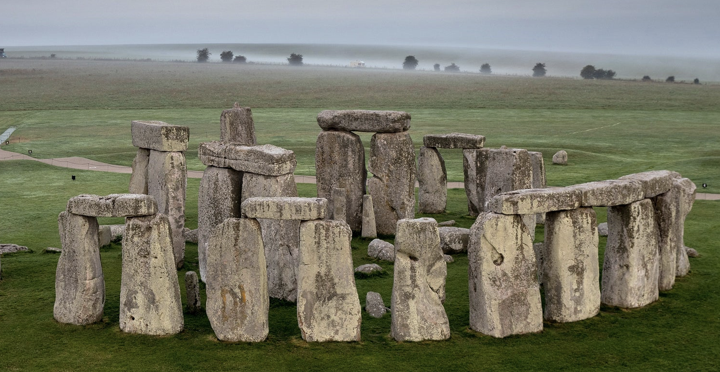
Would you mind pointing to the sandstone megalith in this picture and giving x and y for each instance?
(432, 178)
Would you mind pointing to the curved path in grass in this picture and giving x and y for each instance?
(87, 164)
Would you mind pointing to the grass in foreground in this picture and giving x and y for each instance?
(679, 332)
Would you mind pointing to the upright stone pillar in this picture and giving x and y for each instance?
(237, 293)
(328, 305)
(237, 126)
(571, 273)
(340, 163)
(368, 221)
(167, 182)
(139, 177)
(79, 281)
(489, 172)
(687, 198)
(631, 266)
(150, 301)
(504, 292)
(538, 177)
(432, 178)
(392, 163)
(338, 205)
(419, 283)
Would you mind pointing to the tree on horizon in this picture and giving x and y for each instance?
(203, 55)
(295, 59)
(485, 69)
(436, 67)
(239, 59)
(588, 72)
(410, 63)
(226, 56)
(452, 68)
(539, 70)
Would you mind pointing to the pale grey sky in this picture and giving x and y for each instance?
(674, 27)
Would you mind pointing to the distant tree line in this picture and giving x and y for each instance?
(590, 72)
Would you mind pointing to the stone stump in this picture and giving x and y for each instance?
(419, 283)
(237, 126)
(504, 292)
(79, 281)
(149, 291)
(368, 218)
(328, 306)
(192, 292)
(432, 178)
(167, 182)
(392, 163)
(237, 291)
(631, 265)
(571, 273)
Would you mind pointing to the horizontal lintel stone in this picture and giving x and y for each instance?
(531, 201)
(114, 205)
(454, 141)
(285, 208)
(364, 121)
(610, 193)
(159, 136)
(654, 182)
(267, 160)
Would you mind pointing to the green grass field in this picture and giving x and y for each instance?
(609, 128)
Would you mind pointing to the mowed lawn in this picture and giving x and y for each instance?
(609, 128)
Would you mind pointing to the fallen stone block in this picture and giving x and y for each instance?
(12, 248)
(603, 229)
(192, 292)
(610, 193)
(267, 160)
(448, 258)
(419, 283)
(237, 296)
(454, 239)
(368, 268)
(432, 178)
(79, 281)
(691, 252)
(150, 301)
(454, 141)
(364, 121)
(139, 177)
(368, 218)
(53, 250)
(381, 250)
(237, 126)
(190, 235)
(159, 136)
(631, 264)
(328, 306)
(560, 158)
(446, 223)
(654, 183)
(167, 183)
(374, 305)
(571, 273)
(285, 208)
(504, 292)
(114, 205)
(532, 201)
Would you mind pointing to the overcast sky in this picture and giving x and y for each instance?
(675, 27)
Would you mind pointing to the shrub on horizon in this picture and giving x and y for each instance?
(436, 67)
(485, 69)
(240, 59)
(410, 63)
(539, 70)
(452, 68)
(295, 59)
(203, 55)
(226, 56)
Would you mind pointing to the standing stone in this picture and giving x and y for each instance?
(139, 177)
(192, 292)
(167, 182)
(504, 292)
(668, 216)
(538, 249)
(237, 126)
(150, 301)
(538, 177)
(432, 177)
(368, 218)
(631, 266)
(159, 136)
(79, 281)
(392, 163)
(281, 238)
(474, 179)
(419, 283)
(328, 306)
(454, 239)
(237, 293)
(489, 172)
(687, 198)
(560, 157)
(338, 205)
(571, 276)
(104, 235)
(374, 305)
(218, 199)
(340, 163)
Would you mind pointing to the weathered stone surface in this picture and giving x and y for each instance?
(139, 177)
(149, 290)
(532, 201)
(630, 268)
(12, 248)
(167, 183)
(538, 248)
(392, 163)
(609, 193)
(571, 273)
(560, 158)
(603, 229)
(687, 199)
(446, 223)
(328, 306)
(669, 218)
(432, 178)
(419, 283)
(237, 126)
(192, 292)
(340, 163)
(104, 235)
(159, 136)
(337, 205)
(267, 160)
(53, 250)
(381, 250)
(692, 252)
(654, 183)
(374, 305)
(114, 205)
(218, 199)
(538, 177)
(489, 172)
(454, 239)
(368, 218)
(117, 230)
(79, 281)
(237, 294)
(448, 258)
(504, 292)
(368, 268)
(285, 208)
(281, 238)
(364, 121)
(190, 235)
(454, 141)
